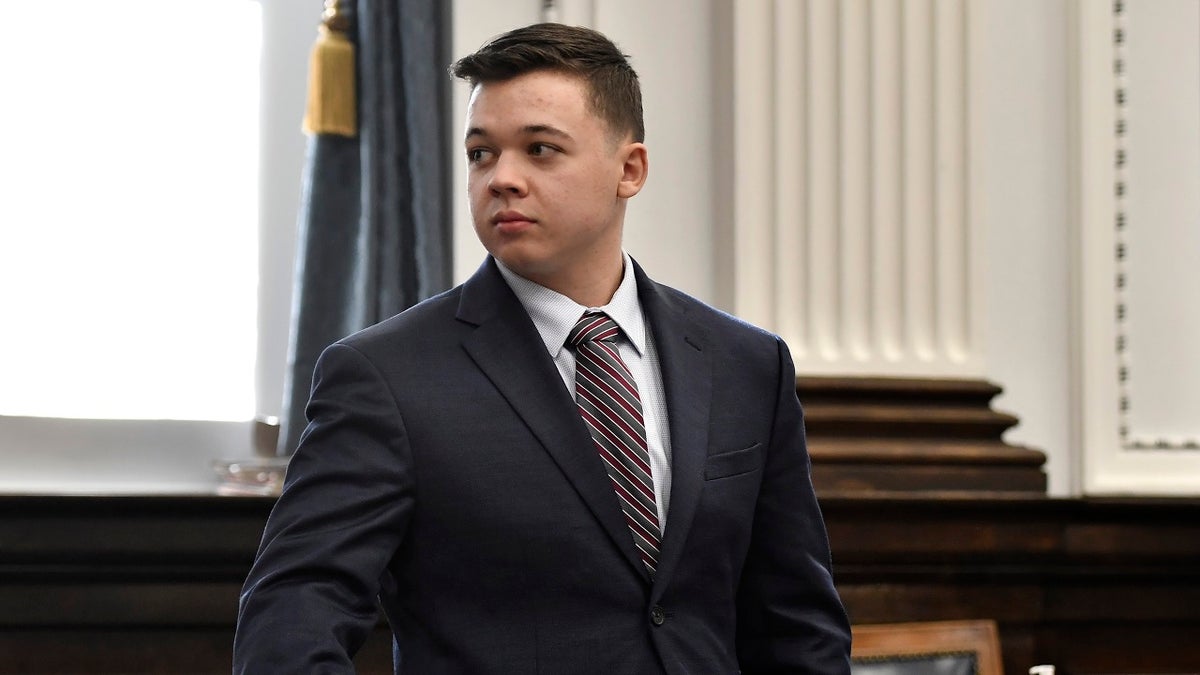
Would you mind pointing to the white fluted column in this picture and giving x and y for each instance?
(852, 229)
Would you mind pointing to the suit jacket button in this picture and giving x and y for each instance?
(658, 616)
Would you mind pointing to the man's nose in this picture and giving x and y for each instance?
(507, 177)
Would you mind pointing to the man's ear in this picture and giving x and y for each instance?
(634, 169)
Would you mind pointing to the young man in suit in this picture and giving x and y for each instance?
(560, 466)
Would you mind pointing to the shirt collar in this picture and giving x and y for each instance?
(554, 314)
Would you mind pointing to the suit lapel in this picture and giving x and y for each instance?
(507, 348)
(687, 380)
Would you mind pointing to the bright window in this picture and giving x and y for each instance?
(129, 211)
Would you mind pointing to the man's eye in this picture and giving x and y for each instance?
(476, 155)
(541, 149)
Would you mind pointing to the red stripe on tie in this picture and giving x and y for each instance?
(624, 471)
(636, 506)
(609, 420)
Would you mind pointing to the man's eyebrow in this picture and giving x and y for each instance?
(545, 129)
(528, 129)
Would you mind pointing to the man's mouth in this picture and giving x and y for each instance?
(510, 217)
(511, 222)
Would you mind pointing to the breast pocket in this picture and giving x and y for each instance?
(733, 462)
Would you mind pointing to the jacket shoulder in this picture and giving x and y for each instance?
(716, 322)
(427, 319)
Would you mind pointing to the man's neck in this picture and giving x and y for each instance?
(588, 290)
(590, 287)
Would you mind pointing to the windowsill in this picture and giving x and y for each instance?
(53, 456)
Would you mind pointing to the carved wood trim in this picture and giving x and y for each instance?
(932, 436)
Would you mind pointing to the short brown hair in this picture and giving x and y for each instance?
(616, 96)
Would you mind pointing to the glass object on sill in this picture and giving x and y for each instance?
(259, 475)
(252, 476)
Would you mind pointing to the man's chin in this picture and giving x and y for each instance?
(521, 262)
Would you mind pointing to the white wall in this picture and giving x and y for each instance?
(289, 29)
(1138, 234)
(1023, 79)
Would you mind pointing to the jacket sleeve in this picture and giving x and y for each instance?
(790, 618)
(308, 603)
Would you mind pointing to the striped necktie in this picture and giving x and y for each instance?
(608, 400)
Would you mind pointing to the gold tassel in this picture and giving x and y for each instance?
(332, 102)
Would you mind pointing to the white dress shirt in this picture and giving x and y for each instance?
(554, 315)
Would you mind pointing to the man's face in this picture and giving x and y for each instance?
(547, 180)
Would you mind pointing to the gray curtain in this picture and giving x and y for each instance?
(374, 231)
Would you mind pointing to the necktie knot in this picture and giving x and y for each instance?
(593, 327)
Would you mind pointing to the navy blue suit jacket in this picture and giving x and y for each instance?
(446, 471)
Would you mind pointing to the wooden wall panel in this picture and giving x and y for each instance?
(150, 584)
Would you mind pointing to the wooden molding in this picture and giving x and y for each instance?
(937, 437)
